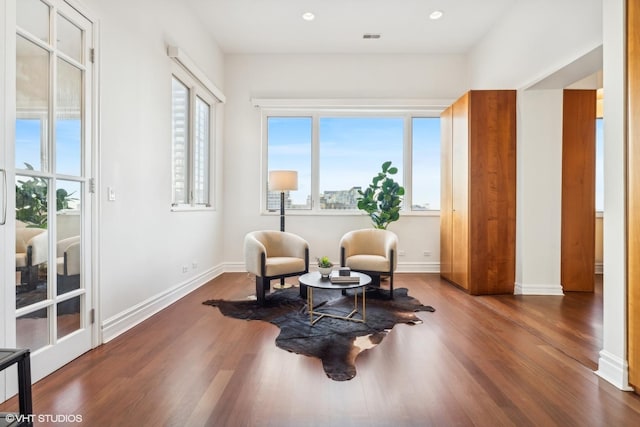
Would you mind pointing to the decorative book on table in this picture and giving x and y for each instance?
(335, 277)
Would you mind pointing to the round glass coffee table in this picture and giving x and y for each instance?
(313, 280)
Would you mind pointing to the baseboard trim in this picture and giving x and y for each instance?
(418, 267)
(613, 369)
(537, 289)
(127, 319)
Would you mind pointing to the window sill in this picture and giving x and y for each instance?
(309, 212)
(191, 208)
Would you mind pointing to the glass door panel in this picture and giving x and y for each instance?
(32, 240)
(68, 316)
(68, 123)
(69, 38)
(33, 17)
(32, 103)
(69, 239)
(32, 330)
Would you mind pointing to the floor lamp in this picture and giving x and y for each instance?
(283, 180)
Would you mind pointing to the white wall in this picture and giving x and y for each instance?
(143, 245)
(539, 195)
(323, 76)
(533, 40)
(612, 364)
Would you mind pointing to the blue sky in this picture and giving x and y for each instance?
(68, 134)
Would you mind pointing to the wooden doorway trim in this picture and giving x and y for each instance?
(633, 190)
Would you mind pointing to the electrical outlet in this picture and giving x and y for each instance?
(194, 265)
(185, 269)
(401, 253)
(426, 253)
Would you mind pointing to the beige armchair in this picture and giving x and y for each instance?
(31, 251)
(371, 251)
(274, 255)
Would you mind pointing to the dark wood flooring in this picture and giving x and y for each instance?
(477, 361)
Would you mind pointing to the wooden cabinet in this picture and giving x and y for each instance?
(478, 205)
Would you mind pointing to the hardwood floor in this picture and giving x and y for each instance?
(476, 361)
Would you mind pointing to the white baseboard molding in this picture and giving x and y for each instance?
(418, 267)
(537, 289)
(614, 370)
(234, 267)
(122, 322)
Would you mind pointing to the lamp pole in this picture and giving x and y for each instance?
(282, 211)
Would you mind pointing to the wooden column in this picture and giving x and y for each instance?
(578, 190)
(633, 188)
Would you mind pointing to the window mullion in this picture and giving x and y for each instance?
(315, 163)
(191, 144)
(407, 161)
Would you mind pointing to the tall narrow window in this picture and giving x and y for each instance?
(180, 137)
(201, 153)
(191, 130)
(289, 148)
(425, 180)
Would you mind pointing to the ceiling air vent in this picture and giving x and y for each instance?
(370, 36)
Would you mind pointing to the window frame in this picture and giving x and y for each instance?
(315, 113)
(195, 90)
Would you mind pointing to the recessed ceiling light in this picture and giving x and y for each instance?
(436, 14)
(308, 16)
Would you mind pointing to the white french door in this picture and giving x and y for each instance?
(51, 170)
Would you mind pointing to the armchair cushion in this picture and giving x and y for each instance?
(368, 262)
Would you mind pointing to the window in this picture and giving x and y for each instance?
(352, 149)
(425, 142)
(191, 135)
(290, 149)
(337, 154)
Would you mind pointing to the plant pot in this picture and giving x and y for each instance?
(325, 271)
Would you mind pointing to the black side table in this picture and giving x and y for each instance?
(22, 357)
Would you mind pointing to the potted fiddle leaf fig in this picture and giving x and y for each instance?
(383, 198)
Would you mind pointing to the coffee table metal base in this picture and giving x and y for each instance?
(315, 316)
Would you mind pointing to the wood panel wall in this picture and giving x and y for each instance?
(492, 198)
(633, 188)
(578, 190)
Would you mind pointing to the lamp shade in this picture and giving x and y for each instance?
(282, 180)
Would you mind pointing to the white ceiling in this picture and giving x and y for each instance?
(276, 26)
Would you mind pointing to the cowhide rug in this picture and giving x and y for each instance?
(334, 341)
